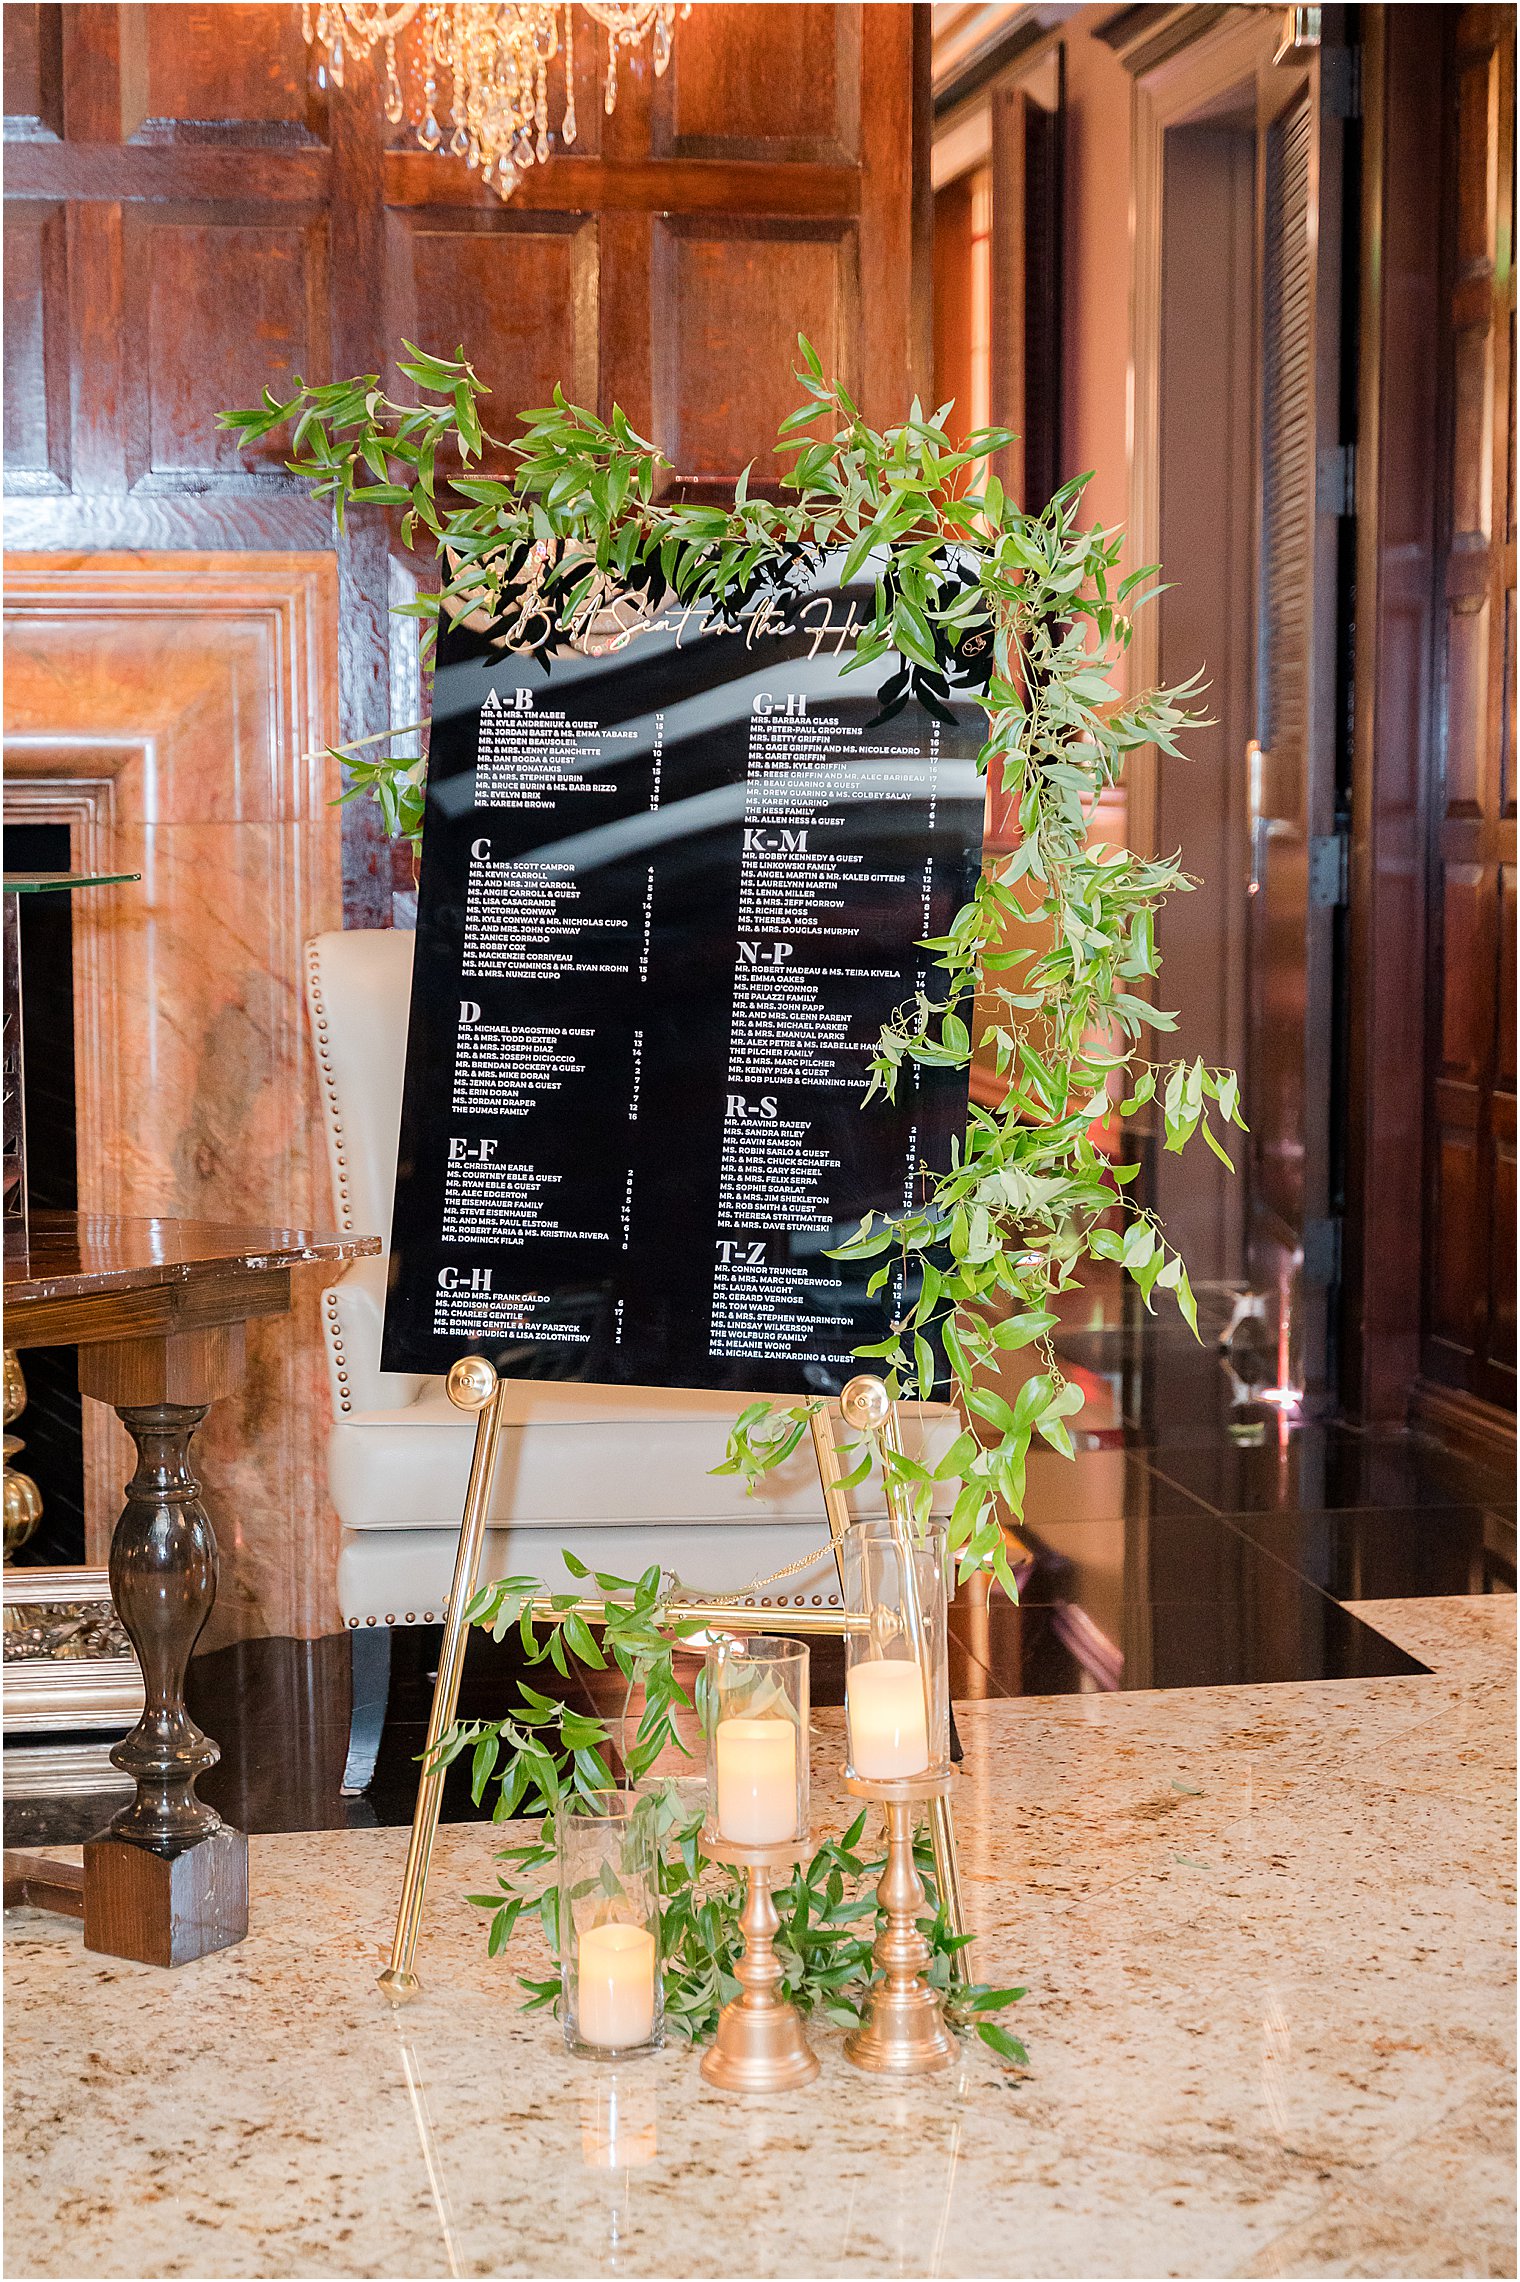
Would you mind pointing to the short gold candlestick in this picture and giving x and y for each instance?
(759, 2046)
(903, 2032)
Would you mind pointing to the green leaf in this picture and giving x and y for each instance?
(581, 1642)
(995, 2000)
(989, 1404)
(1020, 1330)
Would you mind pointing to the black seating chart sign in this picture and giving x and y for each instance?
(668, 896)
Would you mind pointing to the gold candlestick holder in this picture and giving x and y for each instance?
(903, 2032)
(760, 2046)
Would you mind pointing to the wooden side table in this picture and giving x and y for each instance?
(157, 1309)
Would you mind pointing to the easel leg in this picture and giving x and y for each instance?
(826, 1451)
(473, 1385)
(947, 1873)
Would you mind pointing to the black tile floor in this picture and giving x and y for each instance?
(1197, 1539)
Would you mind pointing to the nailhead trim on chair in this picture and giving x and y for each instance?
(329, 1084)
(428, 1616)
(800, 1600)
(335, 1123)
(335, 1342)
(438, 1616)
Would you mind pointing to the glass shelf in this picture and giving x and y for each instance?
(58, 883)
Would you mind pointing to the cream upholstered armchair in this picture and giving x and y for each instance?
(620, 1475)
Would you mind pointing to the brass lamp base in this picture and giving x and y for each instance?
(760, 2046)
(23, 1499)
(903, 2032)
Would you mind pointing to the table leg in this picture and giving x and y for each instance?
(168, 1881)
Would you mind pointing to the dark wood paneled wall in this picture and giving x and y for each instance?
(190, 214)
(1394, 715)
(1431, 1074)
(1468, 1339)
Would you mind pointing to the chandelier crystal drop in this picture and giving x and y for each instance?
(494, 61)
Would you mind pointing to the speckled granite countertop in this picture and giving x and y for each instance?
(1267, 1935)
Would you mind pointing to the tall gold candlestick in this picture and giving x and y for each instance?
(760, 2045)
(903, 2032)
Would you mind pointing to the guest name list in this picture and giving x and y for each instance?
(668, 898)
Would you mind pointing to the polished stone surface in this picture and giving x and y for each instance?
(1127, 1582)
(1267, 1937)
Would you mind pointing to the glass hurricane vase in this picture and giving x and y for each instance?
(609, 1928)
(755, 1705)
(897, 1680)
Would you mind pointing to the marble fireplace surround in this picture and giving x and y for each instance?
(171, 708)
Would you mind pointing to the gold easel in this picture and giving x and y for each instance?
(474, 1386)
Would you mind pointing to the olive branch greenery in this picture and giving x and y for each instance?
(1048, 971)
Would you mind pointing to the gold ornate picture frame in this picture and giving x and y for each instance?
(68, 1664)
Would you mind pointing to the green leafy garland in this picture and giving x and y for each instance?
(1048, 968)
(1051, 958)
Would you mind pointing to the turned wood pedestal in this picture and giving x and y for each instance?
(157, 1309)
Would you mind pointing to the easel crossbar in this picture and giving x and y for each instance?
(713, 1616)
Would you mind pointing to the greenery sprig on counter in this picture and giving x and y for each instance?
(1049, 968)
(543, 1756)
(829, 1920)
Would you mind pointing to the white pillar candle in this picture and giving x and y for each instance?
(884, 1705)
(757, 1781)
(615, 1968)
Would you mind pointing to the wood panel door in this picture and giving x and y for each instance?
(1295, 758)
(1207, 386)
(1468, 1343)
(192, 212)
(998, 251)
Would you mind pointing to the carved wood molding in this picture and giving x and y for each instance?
(1465, 1422)
(1143, 37)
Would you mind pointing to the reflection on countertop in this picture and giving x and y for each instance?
(1266, 1933)
(1197, 1539)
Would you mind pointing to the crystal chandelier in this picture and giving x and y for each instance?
(495, 58)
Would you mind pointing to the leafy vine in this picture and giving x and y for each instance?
(1049, 968)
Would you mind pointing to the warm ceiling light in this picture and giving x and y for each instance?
(496, 59)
